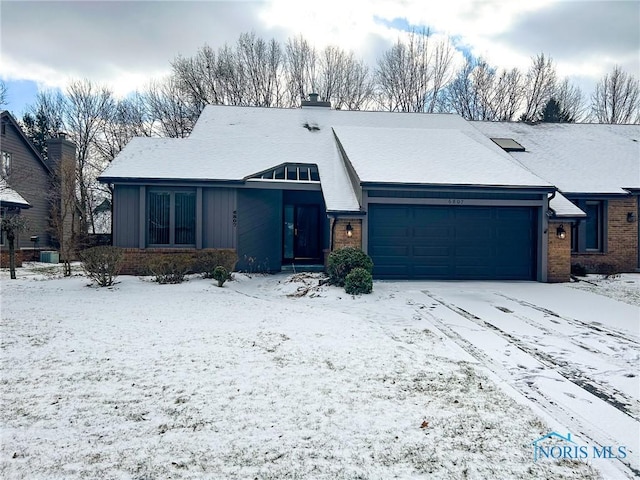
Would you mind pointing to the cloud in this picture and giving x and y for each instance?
(115, 42)
(125, 44)
(582, 36)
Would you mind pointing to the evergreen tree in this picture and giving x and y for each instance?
(554, 113)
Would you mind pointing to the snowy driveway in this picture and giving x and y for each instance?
(573, 353)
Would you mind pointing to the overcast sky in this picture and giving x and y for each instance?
(124, 44)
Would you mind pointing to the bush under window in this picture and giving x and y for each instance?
(170, 267)
(102, 264)
(343, 260)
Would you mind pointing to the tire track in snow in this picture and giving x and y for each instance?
(613, 397)
(529, 389)
(574, 321)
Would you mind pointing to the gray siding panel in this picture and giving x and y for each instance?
(126, 216)
(218, 206)
(259, 230)
(31, 180)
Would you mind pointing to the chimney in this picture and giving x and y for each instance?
(61, 160)
(314, 102)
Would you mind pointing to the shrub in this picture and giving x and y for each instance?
(342, 261)
(102, 264)
(579, 270)
(170, 267)
(221, 275)
(207, 260)
(358, 281)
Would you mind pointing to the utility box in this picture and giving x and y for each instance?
(49, 257)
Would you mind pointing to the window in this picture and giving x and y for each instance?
(593, 226)
(589, 235)
(5, 164)
(171, 217)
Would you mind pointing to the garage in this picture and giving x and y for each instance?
(452, 242)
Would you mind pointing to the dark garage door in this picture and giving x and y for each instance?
(452, 242)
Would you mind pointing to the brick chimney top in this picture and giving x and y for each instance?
(314, 102)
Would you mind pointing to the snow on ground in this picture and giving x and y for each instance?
(277, 377)
(624, 287)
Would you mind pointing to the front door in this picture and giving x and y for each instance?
(302, 233)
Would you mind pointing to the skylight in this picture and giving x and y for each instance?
(508, 144)
(290, 172)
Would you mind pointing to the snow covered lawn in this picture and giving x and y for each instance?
(269, 378)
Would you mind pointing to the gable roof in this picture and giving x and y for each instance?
(576, 157)
(231, 144)
(10, 198)
(5, 115)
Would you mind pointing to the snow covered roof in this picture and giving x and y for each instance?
(430, 156)
(577, 158)
(10, 198)
(234, 143)
(564, 208)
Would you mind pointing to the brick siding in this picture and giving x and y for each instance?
(4, 258)
(559, 255)
(136, 260)
(340, 237)
(622, 241)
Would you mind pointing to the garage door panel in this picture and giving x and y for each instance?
(392, 231)
(453, 242)
(473, 214)
(433, 231)
(391, 251)
(431, 271)
(431, 251)
(479, 252)
(431, 215)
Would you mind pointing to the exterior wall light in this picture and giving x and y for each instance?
(560, 232)
(349, 230)
(631, 217)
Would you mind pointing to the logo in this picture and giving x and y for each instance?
(554, 446)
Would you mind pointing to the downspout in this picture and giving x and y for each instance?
(333, 231)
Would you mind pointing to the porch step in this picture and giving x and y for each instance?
(295, 268)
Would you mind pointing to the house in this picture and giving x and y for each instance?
(596, 167)
(25, 173)
(425, 195)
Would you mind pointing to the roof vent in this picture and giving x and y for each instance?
(314, 102)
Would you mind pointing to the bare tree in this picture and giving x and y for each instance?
(171, 113)
(570, 101)
(411, 74)
(11, 224)
(617, 98)
(301, 61)
(3, 93)
(260, 64)
(125, 119)
(87, 110)
(540, 87)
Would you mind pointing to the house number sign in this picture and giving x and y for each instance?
(456, 201)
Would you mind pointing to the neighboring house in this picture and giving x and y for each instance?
(595, 166)
(427, 196)
(11, 203)
(26, 173)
